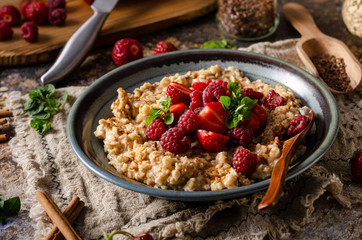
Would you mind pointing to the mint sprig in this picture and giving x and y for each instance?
(163, 113)
(222, 43)
(42, 105)
(8, 208)
(237, 104)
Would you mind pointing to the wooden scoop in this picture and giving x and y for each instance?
(280, 169)
(313, 42)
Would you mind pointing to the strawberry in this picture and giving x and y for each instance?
(179, 93)
(212, 117)
(260, 112)
(253, 122)
(177, 109)
(163, 47)
(126, 50)
(211, 141)
(356, 165)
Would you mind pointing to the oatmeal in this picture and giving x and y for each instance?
(194, 149)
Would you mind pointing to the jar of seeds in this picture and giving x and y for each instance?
(248, 20)
(352, 16)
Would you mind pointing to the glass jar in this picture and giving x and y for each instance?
(352, 16)
(248, 20)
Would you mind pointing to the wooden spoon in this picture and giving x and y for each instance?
(313, 42)
(280, 169)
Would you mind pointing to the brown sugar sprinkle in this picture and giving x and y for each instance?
(332, 70)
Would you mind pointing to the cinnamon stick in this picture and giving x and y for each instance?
(3, 137)
(71, 213)
(56, 216)
(3, 121)
(5, 113)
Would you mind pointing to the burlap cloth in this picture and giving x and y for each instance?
(50, 164)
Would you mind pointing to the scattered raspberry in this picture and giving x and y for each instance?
(5, 31)
(57, 16)
(197, 110)
(211, 141)
(174, 140)
(155, 129)
(356, 165)
(196, 100)
(29, 31)
(241, 135)
(249, 92)
(179, 93)
(10, 14)
(297, 124)
(37, 12)
(245, 161)
(23, 7)
(143, 236)
(126, 50)
(200, 86)
(188, 122)
(53, 4)
(212, 93)
(273, 100)
(163, 47)
(89, 1)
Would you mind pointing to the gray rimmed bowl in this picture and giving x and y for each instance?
(94, 104)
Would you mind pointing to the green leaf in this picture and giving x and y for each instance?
(65, 99)
(150, 118)
(11, 206)
(222, 43)
(29, 104)
(155, 111)
(49, 89)
(37, 110)
(42, 116)
(225, 102)
(37, 93)
(2, 199)
(169, 119)
(2, 218)
(40, 125)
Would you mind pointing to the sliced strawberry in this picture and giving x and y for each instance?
(177, 109)
(212, 117)
(253, 122)
(211, 141)
(260, 112)
(179, 93)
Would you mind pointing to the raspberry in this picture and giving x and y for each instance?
(297, 124)
(89, 1)
(24, 6)
(174, 140)
(200, 86)
(241, 135)
(179, 93)
(10, 14)
(126, 50)
(5, 31)
(356, 165)
(52, 4)
(212, 93)
(245, 161)
(57, 16)
(220, 82)
(155, 129)
(273, 100)
(196, 100)
(37, 12)
(249, 92)
(29, 31)
(163, 47)
(188, 122)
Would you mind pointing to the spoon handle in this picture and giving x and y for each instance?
(301, 19)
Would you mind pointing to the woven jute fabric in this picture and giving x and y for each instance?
(49, 164)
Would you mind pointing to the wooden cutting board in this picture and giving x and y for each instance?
(128, 19)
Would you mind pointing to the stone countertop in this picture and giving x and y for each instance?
(327, 15)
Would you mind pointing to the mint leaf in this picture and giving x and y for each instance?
(163, 113)
(169, 119)
(225, 102)
(222, 43)
(40, 125)
(8, 208)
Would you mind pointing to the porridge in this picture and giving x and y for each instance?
(210, 129)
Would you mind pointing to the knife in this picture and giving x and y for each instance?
(79, 43)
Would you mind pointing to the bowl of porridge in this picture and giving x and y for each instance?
(199, 125)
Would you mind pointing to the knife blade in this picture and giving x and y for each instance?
(80, 43)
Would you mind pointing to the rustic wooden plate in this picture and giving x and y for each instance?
(128, 19)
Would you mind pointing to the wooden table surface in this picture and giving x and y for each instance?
(326, 13)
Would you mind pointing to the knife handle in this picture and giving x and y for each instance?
(76, 48)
